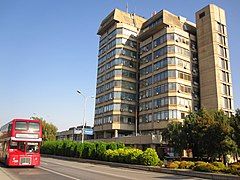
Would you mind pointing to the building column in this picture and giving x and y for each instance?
(115, 133)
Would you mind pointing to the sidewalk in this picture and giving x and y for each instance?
(3, 175)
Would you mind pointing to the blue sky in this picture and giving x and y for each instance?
(48, 50)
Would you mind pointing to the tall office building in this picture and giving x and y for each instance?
(169, 86)
(116, 95)
(149, 70)
(214, 64)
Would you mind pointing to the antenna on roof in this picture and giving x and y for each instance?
(127, 7)
(153, 13)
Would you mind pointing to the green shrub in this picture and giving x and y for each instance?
(111, 155)
(79, 152)
(160, 163)
(172, 165)
(100, 150)
(89, 150)
(73, 149)
(124, 155)
(235, 166)
(134, 156)
(206, 167)
(149, 157)
(112, 146)
(120, 145)
(48, 147)
(220, 165)
(59, 148)
(67, 148)
(186, 165)
(116, 152)
(230, 170)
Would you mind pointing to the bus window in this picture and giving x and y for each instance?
(9, 127)
(21, 126)
(13, 145)
(32, 147)
(21, 146)
(34, 126)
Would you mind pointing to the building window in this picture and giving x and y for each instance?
(220, 28)
(221, 39)
(226, 89)
(225, 77)
(201, 15)
(146, 48)
(224, 63)
(146, 59)
(227, 103)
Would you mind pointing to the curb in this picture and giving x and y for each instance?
(183, 172)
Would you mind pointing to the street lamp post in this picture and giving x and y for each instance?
(84, 112)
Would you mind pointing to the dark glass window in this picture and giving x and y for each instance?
(34, 126)
(201, 15)
(21, 126)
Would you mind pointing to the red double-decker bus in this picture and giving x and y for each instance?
(20, 141)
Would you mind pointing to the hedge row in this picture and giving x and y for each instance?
(115, 152)
(205, 167)
(148, 157)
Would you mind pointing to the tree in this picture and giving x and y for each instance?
(235, 123)
(49, 130)
(220, 136)
(207, 133)
(176, 137)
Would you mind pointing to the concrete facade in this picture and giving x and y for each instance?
(149, 71)
(116, 96)
(214, 63)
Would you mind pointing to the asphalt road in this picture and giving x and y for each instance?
(55, 169)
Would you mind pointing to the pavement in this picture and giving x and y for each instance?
(57, 169)
(4, 175)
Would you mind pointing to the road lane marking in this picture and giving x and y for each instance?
(94, 171)
(138, 171)
(8, 174)
(55, 172)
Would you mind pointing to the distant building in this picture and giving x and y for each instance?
(154, 71)
(75, 133)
